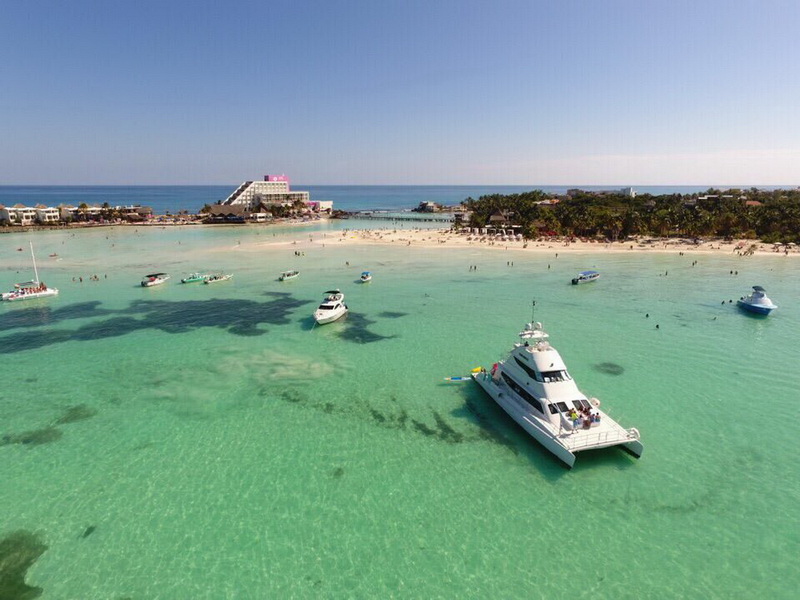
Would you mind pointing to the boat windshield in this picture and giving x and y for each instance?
(555, 376)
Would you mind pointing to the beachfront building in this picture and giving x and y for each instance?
(260, 201)
(67, 212)
(47, 214)
(17, 215)
(134, 212)
(272, 191)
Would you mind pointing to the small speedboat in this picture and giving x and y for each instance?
(286, 275)
(757, 302)
(194, 278)
(217, 277)
(154, 279)
(331, 309)
(366, 276)
(585, 277)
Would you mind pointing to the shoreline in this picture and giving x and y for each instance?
(447, 238)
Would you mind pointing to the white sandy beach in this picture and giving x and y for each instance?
(437, 238)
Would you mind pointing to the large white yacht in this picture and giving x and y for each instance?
(533, 386)
(332, 307)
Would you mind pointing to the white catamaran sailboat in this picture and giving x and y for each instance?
(30, 289)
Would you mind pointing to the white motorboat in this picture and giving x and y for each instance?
(332, 308)
(154, 279)
(217, 277)
(30, 290)
(757, 302)
(585, 277)
(533, 386)
(366, 276)
(286, 275)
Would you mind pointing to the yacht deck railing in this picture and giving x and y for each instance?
(581, 441)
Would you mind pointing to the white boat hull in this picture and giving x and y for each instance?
(562, 443)
(217, 279)
(15, 296)
(323, 317)
(535, 430)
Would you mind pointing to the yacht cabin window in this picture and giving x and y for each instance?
(525, 395)
(555, 376)
(532, 372)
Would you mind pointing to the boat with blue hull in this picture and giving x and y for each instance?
(757, 302)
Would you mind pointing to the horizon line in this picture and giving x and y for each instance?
(531, 185)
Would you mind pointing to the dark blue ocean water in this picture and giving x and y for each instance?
(345, 197)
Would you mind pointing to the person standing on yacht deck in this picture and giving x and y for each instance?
(574, 416)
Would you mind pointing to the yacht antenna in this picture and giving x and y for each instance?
(533, 311)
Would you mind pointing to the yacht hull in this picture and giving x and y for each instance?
(325, 318)
(536, 431)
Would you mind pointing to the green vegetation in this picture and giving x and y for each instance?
(771, 216)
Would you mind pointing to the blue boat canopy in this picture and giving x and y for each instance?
(758, 288)
(365, 272)
(589, 273)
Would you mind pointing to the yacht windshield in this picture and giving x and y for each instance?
(554, 376)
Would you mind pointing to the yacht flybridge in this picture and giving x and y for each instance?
(533, 386)
(332, 308)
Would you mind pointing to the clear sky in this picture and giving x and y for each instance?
(400, 92)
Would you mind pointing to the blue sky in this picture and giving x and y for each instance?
(400, 92)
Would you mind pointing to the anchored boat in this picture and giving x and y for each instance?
(534, 387)
(154, 279)
(30, 290)
(216, 278)
(286, 275)
(585, 277)
(331, 309)
(757, 302)
(194, 278)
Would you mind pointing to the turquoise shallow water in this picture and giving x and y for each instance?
(232, 450)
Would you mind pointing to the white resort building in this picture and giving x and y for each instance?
(273, 190)
(40, 214)
(17, 215)
(47, 214)
(252, 200)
